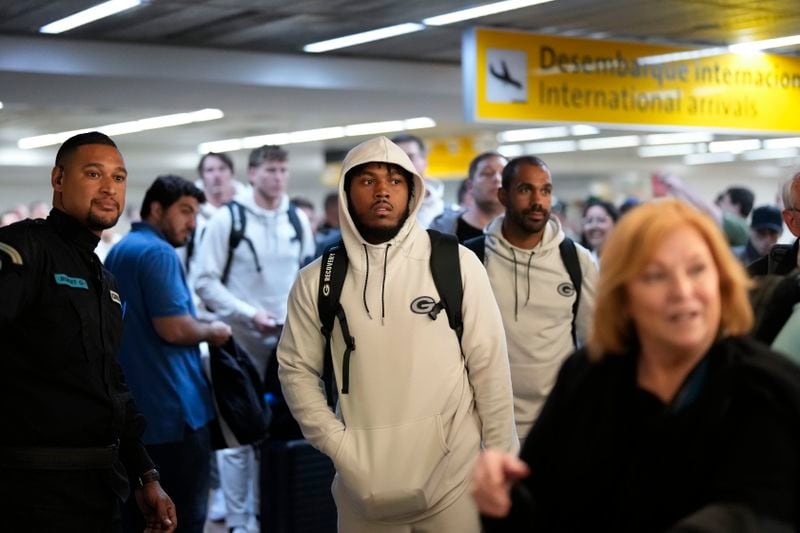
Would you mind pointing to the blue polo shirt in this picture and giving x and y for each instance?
(167, 380)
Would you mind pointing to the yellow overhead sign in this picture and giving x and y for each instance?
(516, 76)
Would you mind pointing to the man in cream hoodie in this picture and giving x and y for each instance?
(406, 433)
(532, 285)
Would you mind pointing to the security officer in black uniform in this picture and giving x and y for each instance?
(71, 432)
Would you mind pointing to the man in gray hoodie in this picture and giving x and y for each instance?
(417, 408)
(533, 287)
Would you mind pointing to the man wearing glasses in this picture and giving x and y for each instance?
(783, 258)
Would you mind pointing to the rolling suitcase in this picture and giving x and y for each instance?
(296, 488)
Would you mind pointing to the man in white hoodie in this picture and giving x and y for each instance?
(418, 405)
(252, 296)
(533, 287)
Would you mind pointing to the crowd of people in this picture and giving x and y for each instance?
(596, 377)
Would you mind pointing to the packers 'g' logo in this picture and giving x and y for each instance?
(326, 290)
(566, 289)
(423, 305)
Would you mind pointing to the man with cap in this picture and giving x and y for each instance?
(766, 226)
(418, 404)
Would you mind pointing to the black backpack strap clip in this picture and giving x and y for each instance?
(569, 256)
(446, 271)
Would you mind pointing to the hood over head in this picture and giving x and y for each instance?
(377, 150)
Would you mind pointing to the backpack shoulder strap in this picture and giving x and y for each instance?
(294, 220)
(332, 272)
(238, 225)
(446, 271)
(569, 255)
(477, 245)
(776, 257)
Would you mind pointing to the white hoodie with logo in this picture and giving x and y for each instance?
(404, 438)
(535, 295)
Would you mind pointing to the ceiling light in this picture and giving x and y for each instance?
(361, 38)
(106, 9)
(756, 155)
(532, 134)
(755, 46)
(554, 147)
(676, 138)
(582, 129)
(1, 105)
(419, 123)
(786, 142)
(371, 128)
(706, 159)
(667, 150)
(682, 56)
(123, 128)
(510, 150)
(318, 134)
(606, 143)
(734, 147)
(480, 11)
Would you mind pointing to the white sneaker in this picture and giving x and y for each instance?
(216, 506)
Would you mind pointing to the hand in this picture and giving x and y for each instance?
(266, 323)
(219, 333)
(157, 508)
(492, 477)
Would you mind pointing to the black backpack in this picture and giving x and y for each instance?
(569, 255)
(446, 271)
(773, 298)
(238, 225)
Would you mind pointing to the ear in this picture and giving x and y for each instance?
(57, 177)
(156, 212)
(502, 195)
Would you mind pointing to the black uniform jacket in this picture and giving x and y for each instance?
(60, 329)
(607, 456)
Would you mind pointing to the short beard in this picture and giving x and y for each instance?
(379, 235)
(519, 219)
(97, 224)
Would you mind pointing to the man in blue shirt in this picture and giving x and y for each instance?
(159, 353)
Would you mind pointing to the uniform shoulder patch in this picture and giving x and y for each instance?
(11, 253)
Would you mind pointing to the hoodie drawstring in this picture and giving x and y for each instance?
(514, 258)
(530, 259)
(366, 280)
(383, 283)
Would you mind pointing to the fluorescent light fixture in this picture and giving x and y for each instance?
(756, 155)
(361, 38)
(261, 140)
(480, 11)
(318, 134)
(1, 105)
(532, 134)
(707, 159)
(371, 128)
(607, 143)
(510, 150)
(786, 142)
(667, 150)
(106, 9)
(123, 128)
(679, 138)
(419, 123)
(583, 129)
(734, 147)
(682, 56)
(755, 46)
(554, 147)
